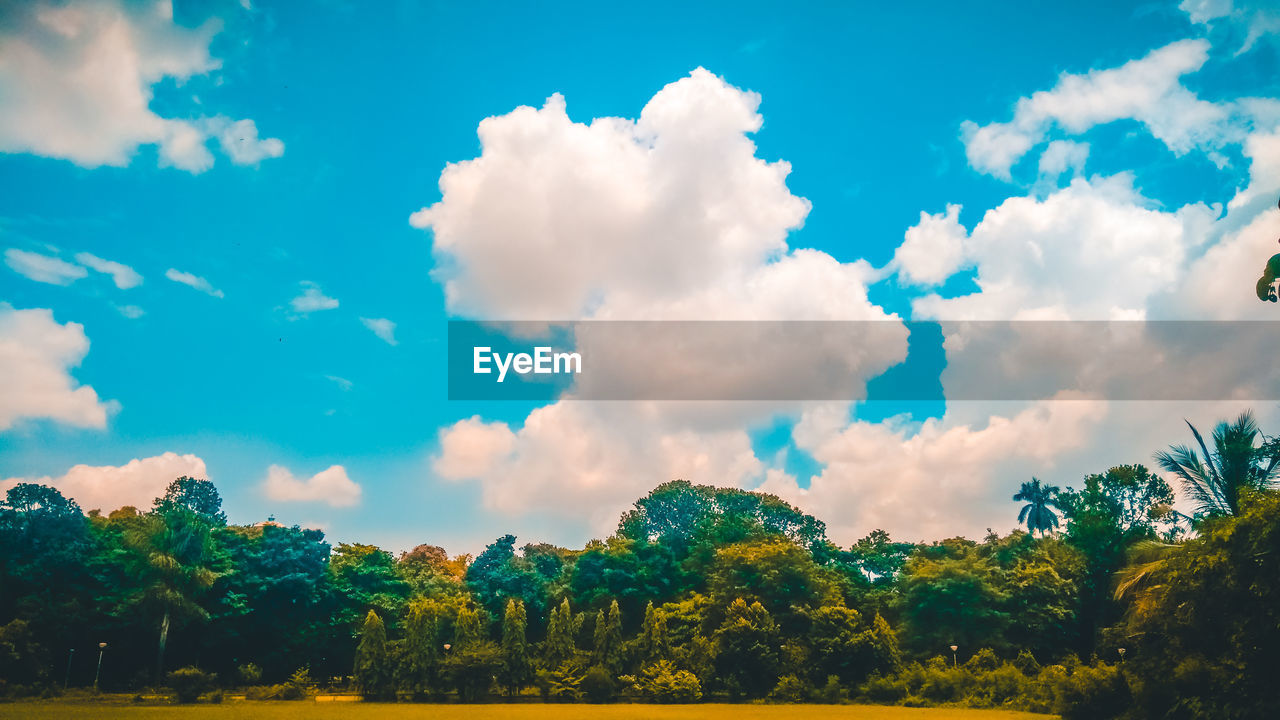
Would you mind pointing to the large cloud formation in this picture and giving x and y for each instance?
(671, 216)
(106, 487)
(77, 81)
(37, 354)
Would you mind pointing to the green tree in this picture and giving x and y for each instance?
(474, 660)
(607, 645)
(560, 646)
(517, 665)
(192, 495)
(845, 646)
(420, 662)
(1237, 463)
(653, 643)
(747, 649)
(953, 600)
(1038, 512)
(372, 670)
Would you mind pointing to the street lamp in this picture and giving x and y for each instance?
(71, 653)
(954, 648)
(1121, 651)
(447, 646)
(102, 647)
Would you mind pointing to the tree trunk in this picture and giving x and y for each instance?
(164, 638)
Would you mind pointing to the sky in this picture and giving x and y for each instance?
(234, 233)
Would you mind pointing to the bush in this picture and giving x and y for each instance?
(661, 682)
(295, 688)
(249, 674)
(791, 689)
(597, 685)
(189, 683)
(1095, 692)
(833, 693)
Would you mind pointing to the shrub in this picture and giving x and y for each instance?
(791, 689)
(189, 683)
(1095, 692)
(249, 674)
(884, 688)
(597, 685)
(833, 693)
(661, 682)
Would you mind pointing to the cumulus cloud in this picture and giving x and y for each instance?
(106, 487)
(122, 275)
(671, 216)
(331, 487)
(1148, 90)
(133, 312)
(37, 354)
(933, 249)
(43, 268)
(193, 281)
(78, 77)
(556, 218)
(1094, 250)
(312, 300)
(383, 328)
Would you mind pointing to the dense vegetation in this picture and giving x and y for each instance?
(1112, 603)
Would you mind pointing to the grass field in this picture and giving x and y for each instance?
(343, 711)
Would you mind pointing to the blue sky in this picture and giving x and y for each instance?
(355, 112)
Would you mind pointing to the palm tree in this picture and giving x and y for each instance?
(1038, 513)
(1236, 464)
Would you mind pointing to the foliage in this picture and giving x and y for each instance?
(662, 682)
(189, 683)
(373, 665)
(517, 662)
(1217, 479)
(747, 649)
(1038, 512)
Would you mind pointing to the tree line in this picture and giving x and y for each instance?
(1111, 603)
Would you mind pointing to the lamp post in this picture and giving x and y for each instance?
(102, 647)
(71, 653)
(1121, 651)
(954, 648)
(447, 647)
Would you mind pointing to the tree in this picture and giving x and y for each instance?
(372, 667)
(474, 660)
(953, 600)
(560, 646)
(1236, 464)
(607, 645)
(197, 496)
(653, 643)
(498, 575)
(747, 649)
(420, 662)
(1038, 512)
(844, 646)
(1202, 633)
(517, 665)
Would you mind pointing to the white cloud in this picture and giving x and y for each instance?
(1063, 155)
(950, 477)
(1148, 90)
(36, 357)
(556, 219)
(341, 382)
(668, 217)
(239, 140)
(124, 276)
(77, 79)
(383, 328)
(43, 268)
(932, 249)
(1093, 250)
(138, 482)
(1258, 18)
(330, 486)
(312, 300)
(133, 312)
(193, 281)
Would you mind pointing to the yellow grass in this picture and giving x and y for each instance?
(310, 710)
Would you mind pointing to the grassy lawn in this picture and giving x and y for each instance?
(324, 711)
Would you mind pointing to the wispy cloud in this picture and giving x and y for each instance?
(383, 328)
(194, 281)
(341, 382)
(124, 276)
(43, 268)
(312, 300)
